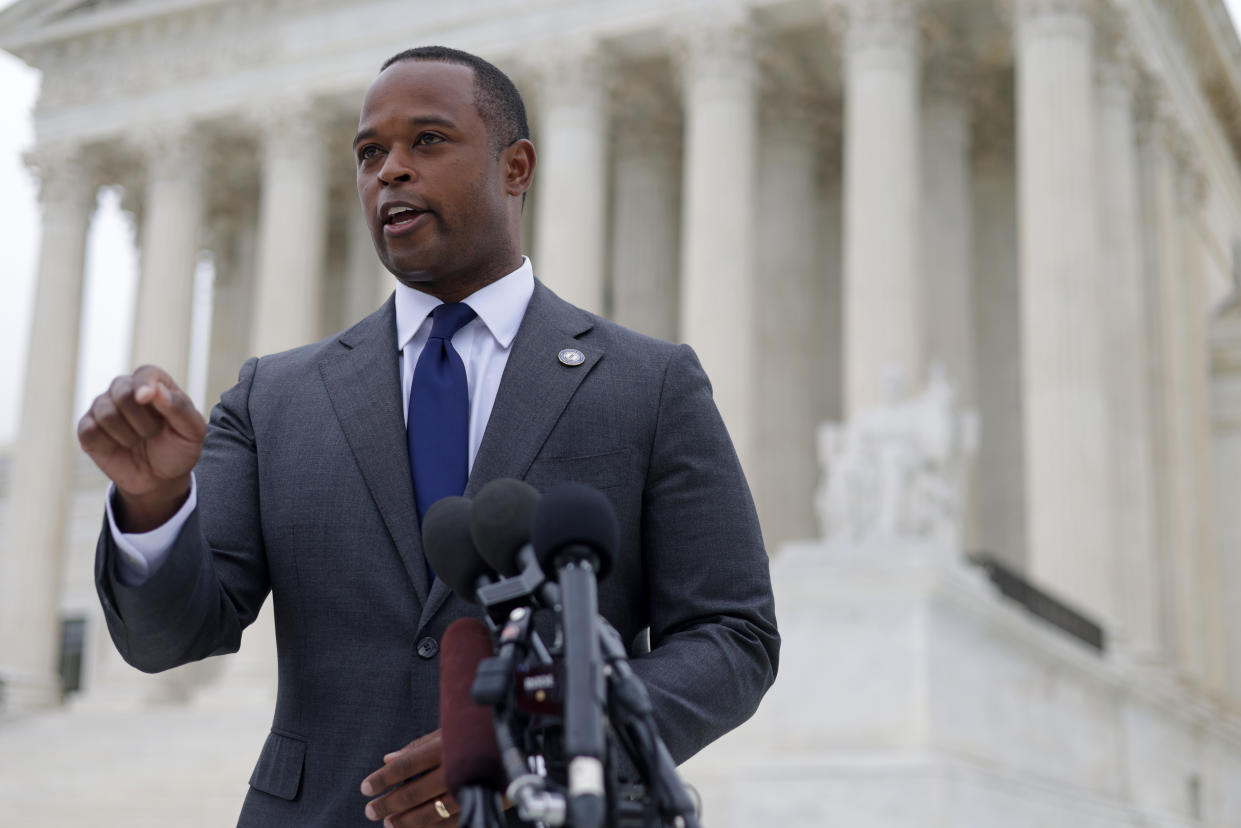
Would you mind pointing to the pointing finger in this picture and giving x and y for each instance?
(179, 410)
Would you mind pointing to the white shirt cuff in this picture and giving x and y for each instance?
(142, 553)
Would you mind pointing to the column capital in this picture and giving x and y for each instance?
(573, 72)
(65, 175)
(721, 49)
(864, 24)
(1075, 18)
(789, 94)
(292, 127)
(172, 150)
(656, 109)
(1045, 8)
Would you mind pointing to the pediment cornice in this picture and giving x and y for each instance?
(29, 24)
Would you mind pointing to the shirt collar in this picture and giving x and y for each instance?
(500, 305)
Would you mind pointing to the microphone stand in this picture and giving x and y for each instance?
(633, 719)
(629, 706)
(584, 742)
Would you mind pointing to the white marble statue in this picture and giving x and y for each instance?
(897, 471)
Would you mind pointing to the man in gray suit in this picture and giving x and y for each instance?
(301, 484)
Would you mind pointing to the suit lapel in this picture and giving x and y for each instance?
(535, 387)
(363, 383)
(533, 392)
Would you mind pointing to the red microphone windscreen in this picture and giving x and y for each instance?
(470, 754)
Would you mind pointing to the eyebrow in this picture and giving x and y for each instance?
(416, 121)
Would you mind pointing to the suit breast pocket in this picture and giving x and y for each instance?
(279, 769)
(605, 470)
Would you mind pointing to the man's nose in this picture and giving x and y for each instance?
(396, 167)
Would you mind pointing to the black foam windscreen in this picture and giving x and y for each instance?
(449, 548)
(500, 522)
(575, 515)
(469, 754)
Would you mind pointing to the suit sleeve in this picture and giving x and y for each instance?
(197, 603)
(714, 644)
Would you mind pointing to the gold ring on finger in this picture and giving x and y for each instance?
(441, 809)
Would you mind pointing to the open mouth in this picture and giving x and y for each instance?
(401, 216)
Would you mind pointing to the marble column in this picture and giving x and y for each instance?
(292, 232)
(947, 225)
(367, 281)
(1171, 438)
(30, 559)
(234, 245)
(172, 230)
(1067, 483)
(1225, 337)
(883, 293)
(1203, 593)
(1130, 459)
(792, 312)
(1000, 527)
(569, 232)
(718, 291)
(646, 192)
(829, 382)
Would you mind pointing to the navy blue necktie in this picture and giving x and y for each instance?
(438, 426)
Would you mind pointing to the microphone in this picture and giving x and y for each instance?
(500, 527)
(500, 523)
(450, 550)
(575, 523)
(575, 531)
(470, 756)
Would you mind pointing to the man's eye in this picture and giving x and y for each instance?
(428, 138)
(368, 152)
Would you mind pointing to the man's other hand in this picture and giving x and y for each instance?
(145, 434)
(411, 782)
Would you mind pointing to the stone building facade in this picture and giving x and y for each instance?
(833, 201)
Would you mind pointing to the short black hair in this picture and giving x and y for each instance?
(496, 97)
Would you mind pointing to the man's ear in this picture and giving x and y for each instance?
(517, 161)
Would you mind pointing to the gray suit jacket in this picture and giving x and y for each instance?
(304, 491)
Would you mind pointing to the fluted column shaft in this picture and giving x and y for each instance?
(569, 244)
(232, 306)
(717, 239)
(172, 232)
(948, 228)
(1130, 459)
(1172, 440)
(883, 307)
(1226, 466)
(1000, 494)
(30, 559)
(1067, 485)
(790, 317)
(367, 281)
(646, 234)
(1203, 589)
(292, 234)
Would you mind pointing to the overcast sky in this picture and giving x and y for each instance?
(110, 276)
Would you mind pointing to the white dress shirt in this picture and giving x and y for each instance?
(484, 344)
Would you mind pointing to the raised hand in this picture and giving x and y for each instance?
(145, 434)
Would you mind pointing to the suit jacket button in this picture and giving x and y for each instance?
(428, 647)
